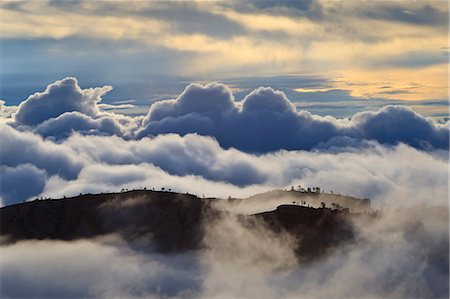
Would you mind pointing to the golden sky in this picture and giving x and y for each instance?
(395, 50)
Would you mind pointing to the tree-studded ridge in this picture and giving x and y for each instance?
(166, 221)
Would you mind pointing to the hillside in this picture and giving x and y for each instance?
(165, 221)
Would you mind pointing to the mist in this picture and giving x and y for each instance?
(401, 253)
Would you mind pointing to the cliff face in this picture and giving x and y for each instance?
(164, 221)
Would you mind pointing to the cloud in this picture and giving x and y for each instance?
(205, 142)
(64, 108)
(6, 111)
(393, 124)
(198, 164)
(100, 269)
(423, 14)
(14, 179)
(59, 97)
(27, 148)
(211, 100)
(266, 121)
(216, 40)
(65, 124)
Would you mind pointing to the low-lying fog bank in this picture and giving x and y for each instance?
(399, 253)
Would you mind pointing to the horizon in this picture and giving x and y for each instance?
(224, 100)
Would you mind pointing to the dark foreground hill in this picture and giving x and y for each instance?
(165, 221)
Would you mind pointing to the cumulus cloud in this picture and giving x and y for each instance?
(264, 121)
(243, 150)
(59, 97)
(6, 111)
(398, 124)
(267, 121)
(65, 124)
(64, 108)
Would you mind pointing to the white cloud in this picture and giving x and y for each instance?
(264, 121)
(91, 151)
(198, 164)
(267, 121)
(59, 97)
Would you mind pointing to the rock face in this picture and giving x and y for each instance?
(165, 221)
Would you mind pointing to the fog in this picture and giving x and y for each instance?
(401, 254)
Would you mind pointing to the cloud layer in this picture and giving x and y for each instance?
(199, 164)
(205, 142)
(264, 121)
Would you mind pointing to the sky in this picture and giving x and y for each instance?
(229, 98)
(224, 98)
(329, 57)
